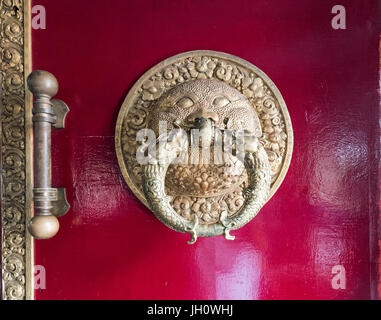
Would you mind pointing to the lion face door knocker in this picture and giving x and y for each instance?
(204, 139)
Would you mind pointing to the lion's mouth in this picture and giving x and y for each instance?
(201, 133)
(206, 132)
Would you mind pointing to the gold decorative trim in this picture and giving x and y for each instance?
(16, 150)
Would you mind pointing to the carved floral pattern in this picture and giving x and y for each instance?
(13, 150)
(208, 209)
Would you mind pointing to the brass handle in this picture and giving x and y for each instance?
(258, 168)
(48, 202)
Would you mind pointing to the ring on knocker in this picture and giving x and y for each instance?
(204, 139)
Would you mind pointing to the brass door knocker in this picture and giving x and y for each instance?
(204, 139)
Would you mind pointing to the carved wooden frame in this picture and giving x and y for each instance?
(16, 150)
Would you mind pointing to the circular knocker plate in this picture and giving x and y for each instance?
(204, 139)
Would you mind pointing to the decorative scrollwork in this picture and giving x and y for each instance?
(13, 204)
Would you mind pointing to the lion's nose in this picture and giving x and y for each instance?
(202, 113)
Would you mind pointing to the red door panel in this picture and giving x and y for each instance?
(111, 247)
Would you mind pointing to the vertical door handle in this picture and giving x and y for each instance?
(49, 203)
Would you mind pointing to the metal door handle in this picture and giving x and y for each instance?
(49, 202)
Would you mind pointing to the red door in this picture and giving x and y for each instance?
(322, 221)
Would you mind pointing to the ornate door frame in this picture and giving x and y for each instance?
(16, 150)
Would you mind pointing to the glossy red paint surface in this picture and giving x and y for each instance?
(111, 247)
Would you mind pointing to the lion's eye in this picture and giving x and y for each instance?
(185, 102)
(220, 101)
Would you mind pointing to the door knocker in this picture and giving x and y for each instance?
(204, 139)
